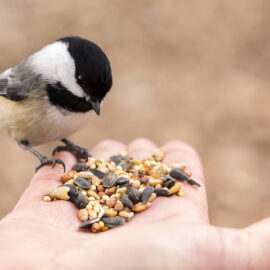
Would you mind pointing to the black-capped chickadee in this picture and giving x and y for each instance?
(50, 94)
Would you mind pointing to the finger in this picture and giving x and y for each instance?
(31, 206)
(141, 148)
(107, 148)
(194, 202)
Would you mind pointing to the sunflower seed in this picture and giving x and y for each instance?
(80, 167)
(80, 201)
(133, 194)
(124, 164)
(126, 201)
(193, 182)
(122, 180)
(109, 180)
(88, 223)
(112, 222)
(169, 183)
(178, 174)
(97, 173)
(82, 183)
(115, 159)
(72, 193)
(146, 194)
(163, 192)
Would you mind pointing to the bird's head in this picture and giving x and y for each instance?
(77, 73)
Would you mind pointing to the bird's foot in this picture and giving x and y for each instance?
(45, 161)
(80, 152)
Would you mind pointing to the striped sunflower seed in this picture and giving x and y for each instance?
(178, 174)
(113, 222)
(126, 201)
(97, 173)
(109, 180)
(163, 192)
(80, 201)
(80, 167)
(115, 159)
(146, 194)
(133, 194)
(82, 183)
(122, 180)
(88, 223)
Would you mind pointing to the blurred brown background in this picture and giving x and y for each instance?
(189, 70)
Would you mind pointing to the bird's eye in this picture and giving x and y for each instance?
(80, 78)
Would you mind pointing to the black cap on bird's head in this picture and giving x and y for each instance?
(93, 70)
(92, 74)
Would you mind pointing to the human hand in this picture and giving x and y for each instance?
(173, 234)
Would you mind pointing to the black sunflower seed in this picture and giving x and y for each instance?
(126, 201)
(146, 194)
(88, 223)
(80, 167)
(169, 183)
(193, 182)
(122, 180)
(133, 194)
(115, 159)
(178, 174)
(113, 222)
(124, 165)
(82, 183)
(97, 173)
(109, 180)
(80, 201)
(163, 192)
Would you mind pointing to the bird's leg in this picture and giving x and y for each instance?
(80, 152)
(43, 159)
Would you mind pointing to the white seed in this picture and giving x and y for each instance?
(97, 208)
(93, 187)
(92, 166)
(105, 197)
(91, 198)
(181, 166)
(92, 214)
(85, 174)
(83, 214)
(47, 198)
(123, 153)
(88, 206)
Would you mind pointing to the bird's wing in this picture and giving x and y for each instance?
(11, 87)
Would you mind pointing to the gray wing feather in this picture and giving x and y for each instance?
(13, 84)
(3, 86)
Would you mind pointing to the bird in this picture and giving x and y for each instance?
(52, 93)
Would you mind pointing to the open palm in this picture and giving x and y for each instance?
(173, 234)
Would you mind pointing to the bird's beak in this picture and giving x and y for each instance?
(96, 106)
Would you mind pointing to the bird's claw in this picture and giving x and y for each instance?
(80, 152)
(53, 161)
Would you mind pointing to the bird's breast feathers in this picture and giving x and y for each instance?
(37, 121)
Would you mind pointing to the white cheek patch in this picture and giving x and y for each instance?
(55, 63)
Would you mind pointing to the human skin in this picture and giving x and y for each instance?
(173, 234)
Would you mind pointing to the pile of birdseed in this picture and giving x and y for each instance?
(109, 193)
